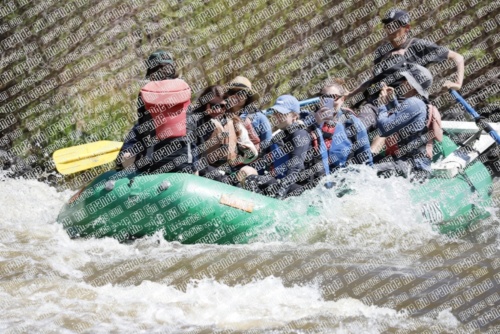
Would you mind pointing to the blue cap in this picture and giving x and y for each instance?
(286, 104)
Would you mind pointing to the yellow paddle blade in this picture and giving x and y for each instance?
(83, 164)
(77, 158)
(85, 151)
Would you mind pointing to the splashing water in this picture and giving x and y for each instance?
(49, 282)
(377, 214)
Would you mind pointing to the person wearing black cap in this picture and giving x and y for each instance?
(403, 48)
(160, 66)
(160, 141)
(393, 58)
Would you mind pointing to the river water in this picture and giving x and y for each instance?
(371, 265)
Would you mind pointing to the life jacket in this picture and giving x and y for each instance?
(167, 102)
(339, 152)
(280, 158)
(328, 130)
(346, 143)
(224, 141)
(319, 143)
(223, 144)
(254, 138)
(391, 145)
(163, 126)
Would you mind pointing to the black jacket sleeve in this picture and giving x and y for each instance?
(301, 141)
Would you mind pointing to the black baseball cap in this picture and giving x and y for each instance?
(396, 15)
(160, 57)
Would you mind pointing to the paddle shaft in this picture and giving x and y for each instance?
(309, 101)
(483, 125)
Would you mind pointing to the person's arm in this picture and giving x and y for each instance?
(125, 158)
(244, 141)
(460, 63)
(131, 138)
(377, 145)
(387, 97)
(368, 116)
(301, 143)
(361, 88)
(433, 53)
(362, 153)
(382, 110)
(393, 103)
(263, 127)
(143, 116)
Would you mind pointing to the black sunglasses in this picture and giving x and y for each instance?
(331, 96)
(217, 106)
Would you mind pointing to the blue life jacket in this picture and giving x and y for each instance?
(341, 148)
(280, 158)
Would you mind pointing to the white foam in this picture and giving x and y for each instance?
(447, 319)
(44, 287)
(266, 304)
(377, 214)
(206, 303)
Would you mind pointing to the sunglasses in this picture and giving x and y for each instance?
(331, 96)
(217, 106)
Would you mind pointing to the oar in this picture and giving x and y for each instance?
(307, 102)
(302, 103)
(77, 158)
(479, 121)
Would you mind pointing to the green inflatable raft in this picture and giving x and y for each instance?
(192, 209)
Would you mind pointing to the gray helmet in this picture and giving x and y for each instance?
(419, 78)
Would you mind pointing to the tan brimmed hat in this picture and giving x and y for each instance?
(242, 83)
